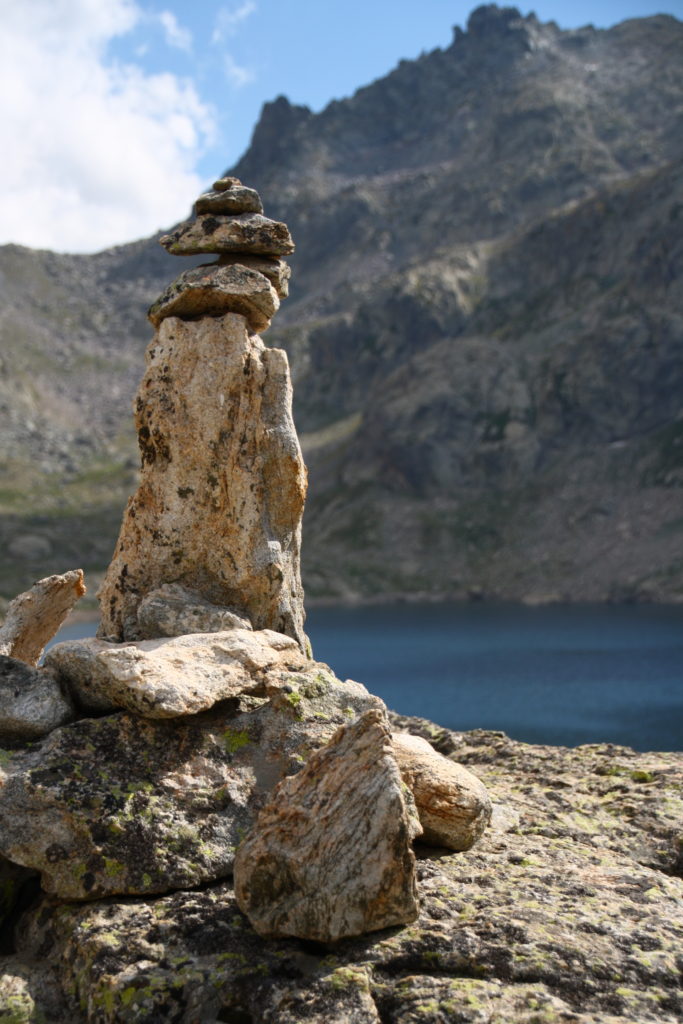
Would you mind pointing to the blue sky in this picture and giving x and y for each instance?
(120, 112)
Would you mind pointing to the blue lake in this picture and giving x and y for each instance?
(561, 674)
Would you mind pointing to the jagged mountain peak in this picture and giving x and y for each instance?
(484, 325)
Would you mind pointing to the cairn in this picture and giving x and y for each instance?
(219, 505)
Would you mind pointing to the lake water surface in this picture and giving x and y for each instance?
(560, 674)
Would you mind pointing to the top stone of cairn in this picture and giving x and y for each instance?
(229, 220)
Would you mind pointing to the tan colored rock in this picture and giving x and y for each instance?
(226, 182)
(172, 677)
(219, 505)
(171, 610)
(453, 804)
(330, 856)
(213, 290)
(245, 232)
(277, 271)
(34, 617)
(234, 199)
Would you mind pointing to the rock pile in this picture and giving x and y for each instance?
(221, 495)
(196, 737)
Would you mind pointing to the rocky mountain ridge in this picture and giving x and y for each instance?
(485, 325)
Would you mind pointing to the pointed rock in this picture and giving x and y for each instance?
(246, 232)
(219, 505)
(330, 854)
(173, 677)
(34, 617)
(213, 290)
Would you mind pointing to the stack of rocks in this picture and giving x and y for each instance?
(219, 506)
(196, 738)
(249, 277)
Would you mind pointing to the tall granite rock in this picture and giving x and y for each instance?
(219, 504)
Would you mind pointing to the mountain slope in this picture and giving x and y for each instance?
(485, 327)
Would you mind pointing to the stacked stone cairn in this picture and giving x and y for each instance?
(196, 737)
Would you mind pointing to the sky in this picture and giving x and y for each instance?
(116, 114)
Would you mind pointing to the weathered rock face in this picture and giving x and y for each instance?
(453, 805)
(330, 855)
(33, 618)
(172, 677)
(32, 702)
(565, 911)
(220, 500)
(120, 804)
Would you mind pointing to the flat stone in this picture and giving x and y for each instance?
(277, 271)
(235, 199)
(122, 804)
(245, 232)
(214, 290)
(33, 618)
(172, 610)
(32, 702)
(167, 678)
(452, 803)
(330, 856)
(221, 495)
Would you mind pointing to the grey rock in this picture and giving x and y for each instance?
(32, 702)
(235, 199)
(121, 804)
(170, 677)
(245, 232)
(329, 856)
(213, 290)
(172, 610)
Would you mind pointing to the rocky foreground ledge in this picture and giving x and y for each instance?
(569, 908)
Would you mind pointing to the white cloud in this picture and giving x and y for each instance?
(174, 33)
(95, 152)
(229, 19)
(235, 73)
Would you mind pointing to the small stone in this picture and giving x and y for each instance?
(453, 804)
(236, 199)
(34, 617)
(32, 702)
(330, 856)
(168, 678)
(213, 290)
(172, 610)
(223, 184)
(277, 271)
(246, 232)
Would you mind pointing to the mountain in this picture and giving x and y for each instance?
(485, 327)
